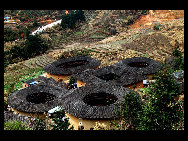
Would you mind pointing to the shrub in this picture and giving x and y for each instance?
(10, 35)
(39, 124)
(15, 125)
(157, 26)
(69, 20)
(35, 24)
(34, 46)
(178, 58)
(79, 15)
(60, 121)
(130, 110)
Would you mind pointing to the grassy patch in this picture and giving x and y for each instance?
(78, 33)
(14, 79)
(78, 52)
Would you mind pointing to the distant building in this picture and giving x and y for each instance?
(62, 69)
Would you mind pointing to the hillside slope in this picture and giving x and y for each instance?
(137, 39)
(143, 40)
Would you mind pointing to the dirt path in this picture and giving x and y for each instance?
(155, 16)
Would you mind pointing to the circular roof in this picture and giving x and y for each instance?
(71, 65)
(113, 75)
(79, 102)
(36, 98)
(141, 65)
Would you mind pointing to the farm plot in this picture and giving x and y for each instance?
(39, 61)
(155, 45)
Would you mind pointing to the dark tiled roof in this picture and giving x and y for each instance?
(17, 100)
(87, 76)
(125, 76)
(54, 68)
(50, 81)
(74, 104)
(152, 65)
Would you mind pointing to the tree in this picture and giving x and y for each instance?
(34, 46)
(69, 20)
(129, 113)
(60, 121)
(178, 58)
(79, 15)
(160, 111)
(10, 35)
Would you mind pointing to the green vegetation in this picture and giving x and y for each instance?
(33, 46)
(158, 111)
(39, 124)
(82, 52)
(13, 83)
(176, 61)
(69, 20)
(10, 35)
(15, 125)
(178, 58)
(71, 81)
(60, 121)
(35, 24)
(129, 113)
(157, 26)
(78, 33)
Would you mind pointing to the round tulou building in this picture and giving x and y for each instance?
(141, 65)
(62, 69)
(93, 103)
(35, 100)
(125, 77)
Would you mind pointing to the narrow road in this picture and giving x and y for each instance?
(43, 28)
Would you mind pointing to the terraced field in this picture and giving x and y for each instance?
(39, 61)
